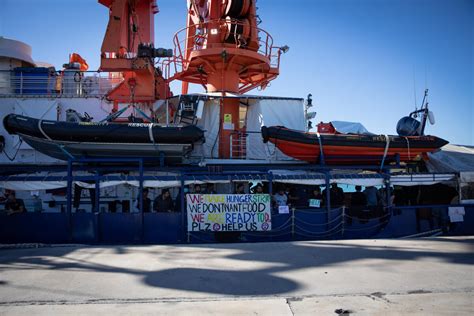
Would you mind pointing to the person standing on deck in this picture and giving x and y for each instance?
(14, 205)
(164, 202)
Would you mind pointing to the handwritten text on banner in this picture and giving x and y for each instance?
(228, 212)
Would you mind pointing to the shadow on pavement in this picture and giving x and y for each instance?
(256, 270)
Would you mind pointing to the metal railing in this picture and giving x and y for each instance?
(238, 145)
(67, 83)
(199, 40)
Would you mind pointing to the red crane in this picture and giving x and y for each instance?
(128, 47)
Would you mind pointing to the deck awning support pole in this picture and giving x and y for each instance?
(69, 196)
(140, 198)
(270, 183)
(69, 187)
(389, 195)
(140, 181)
(182, 197)
(97, 191)
(328, 198)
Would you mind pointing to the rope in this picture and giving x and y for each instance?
(41, 130)
(17, 150)
(434, 231)
(319, 236)
(313, 233)
(387, 144)
(321, 153)
(113, 116)
(320, 212)
(372, 218)
(150, 132)
(366, 228)
(142, 113)
(323, 224)
(408, 147)
(49, 109)
(282, 226)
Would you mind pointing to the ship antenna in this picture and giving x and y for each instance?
(414, 88)
(424, 110)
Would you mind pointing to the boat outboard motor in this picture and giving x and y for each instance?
(408, 126)
(73, 117)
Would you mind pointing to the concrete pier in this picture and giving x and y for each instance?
(360, 277)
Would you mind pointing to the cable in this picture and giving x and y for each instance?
(17, 150)
(372, 218)
(387, 144)
(313, 233)
(319, 236)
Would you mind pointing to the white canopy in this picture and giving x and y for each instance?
(420, 179)
(454, 158)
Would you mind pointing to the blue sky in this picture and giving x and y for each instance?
(361, 59)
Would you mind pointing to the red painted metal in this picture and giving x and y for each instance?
(131, 22)
(222, 49)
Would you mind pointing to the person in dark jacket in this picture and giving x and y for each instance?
(164, 202)
(315, 197)
(358, 198)
(14, 205)
(146, 202)
(336, 194)
(358, 204)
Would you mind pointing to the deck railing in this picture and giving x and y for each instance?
(67, 83)
(199, 41)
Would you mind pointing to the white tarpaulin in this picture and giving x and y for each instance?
(32, 185)
(209, 122)
(271, 112)
(302, 181)
(366, 182)
(49, 185)
(420, 179)
(466, 176)
(350, 128)
(452, 158)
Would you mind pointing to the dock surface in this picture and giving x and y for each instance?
(361, 277)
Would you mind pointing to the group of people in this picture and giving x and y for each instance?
(284, 196)
(369, 198)
(162, 203)
(165, 203)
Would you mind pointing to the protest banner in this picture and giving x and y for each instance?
(228, 212)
